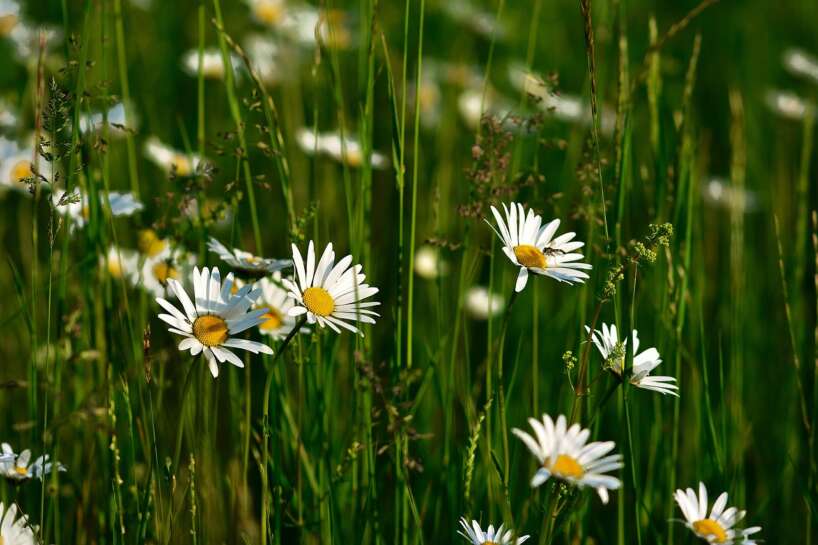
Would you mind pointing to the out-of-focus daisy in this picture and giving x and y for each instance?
(170, 160)
(482, 305)
(76, 207)
(347, 151)
(719, 192)
(150, 244)
(429, 97)
(302, 23)
(245, 262)
(473, 18)
(644, 362)
(789, 105)
(532, 246)
(15, 165)
(801, 63)
(25, 37)
(277, 321)
(477, 536)
(158, 269)
(473, 104)
(718, 526)
(9, 16)
(330, 293)
(564, 453)
(8, 115)
(271, 61)
(212, 64)
(268, 12)
(14, 531)
(429, 264)
(116, 120)
(211, 324)
(18, 467)
(120, 263)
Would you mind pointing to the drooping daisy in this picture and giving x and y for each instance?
(14, 531)
(212, 63)
(119, 262)
(330, 293)
(245, 262)
(477, 536)
(718, 526)
(76, 206)
(532, 246)
(566, 455)
(171, 160)
(277, 321)
(643, 362)
(347, 150)
(211, 324)
(16, 467)
(480, 304)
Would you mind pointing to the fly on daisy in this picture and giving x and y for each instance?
(245, 262)
(18, 467)
(564, 453)
(475, 534)
(718, 526)
(211, 324)
(330, 293)
(606, 342)
(532, 246)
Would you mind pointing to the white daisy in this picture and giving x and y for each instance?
(212, 63)
(116, 121)
(16, 467)
(801, 63)
(565, 454)
(14, 531)
(171, 160)
(75, 206)
(429, 264)
(210, 325)
(302, 23)
(271, 61)
(16, 168)
(245, 262)
(347, 150)
(481, 22)
(482, 305)
(330, 293)
(119, 262)
(149, 243)
(268, 12)
(9, 16)
(477, 536)
(643, 363)
(789, 105)
(277, 321)
(719, 191)
(156, 270)
(717, 527)
(532, 246)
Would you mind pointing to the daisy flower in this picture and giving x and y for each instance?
(303, 22)
(347, 150)
(566, 455)
(211, 324)
(116, 120)
(149, 243)
(245, 262)
(532, 246)
(480, 304)
(16, 467)
(330, 293)
(268, 12)
(717, 527)
(171, 160)
(9, 16)
(477, 536)
(14, 531)
(212, 63)
(272, 62)
(643, 363)
(718, 191)
(801, 63)
(15, 168)
(119, 262)
(788, 105)
(277, 321)
(76, 208)
(155, 271)
(429, 264)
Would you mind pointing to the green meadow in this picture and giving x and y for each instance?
(471, 364)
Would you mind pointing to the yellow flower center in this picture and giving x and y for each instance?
(115, 267)
(181, 165)
(354, 158)
(150, 244)
(7, 23)
(484, 543)
(269, 12)
(85, 212)
(210, 330)
(318, 301)
(162, 271)
(272, 320)
(529, 256)
(21, 470)
(709, 527)
(21, 170)
(566, 466)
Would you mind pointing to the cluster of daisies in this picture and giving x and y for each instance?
(564, 452)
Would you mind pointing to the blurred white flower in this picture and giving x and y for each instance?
(429, 264)
(472, 17)
(473, 104)
(15, 164)
(801, 63)
(75, 206)
(119, 262)
(273, 62)
(482, 305)
(18, 467)
(348, 150)
(171, 160)
(277, 321)
(212, 63)
(789, 105)
(157, 270)
(9, 16)
(718, 192)
(302, 23)
(116, 121)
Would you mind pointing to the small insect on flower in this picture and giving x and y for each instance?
(277, 321)
(477, 536)
(330, 293)
(566, 455)
(245, 262)
(16, 467)
(718, 526)
(76, 206)
(211, 324)
(606, 342)
(171, 160)
(532, 246)
(14, 531)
